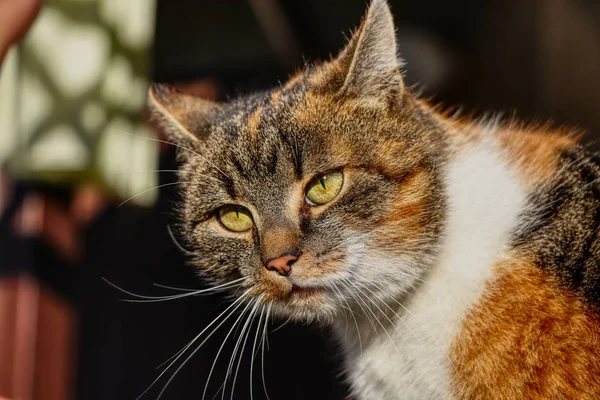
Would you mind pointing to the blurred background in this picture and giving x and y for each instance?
(82, 198)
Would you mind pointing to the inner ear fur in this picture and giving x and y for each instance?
(369, 65)
(184, 117)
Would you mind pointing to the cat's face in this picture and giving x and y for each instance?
(319, 193)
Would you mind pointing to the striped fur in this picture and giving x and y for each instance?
(459, 260)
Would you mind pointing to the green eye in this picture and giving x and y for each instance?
(324, 188)
(235, 218)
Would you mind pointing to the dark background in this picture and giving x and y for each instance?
(541, 58)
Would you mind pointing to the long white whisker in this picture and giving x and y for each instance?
(176, 296)
(179, 246)
(173, 288)
(198, 292)
(251, 318)
(287, 321)
(353, 317)
(258, 327)
(436, 341)
(152, 188)
(179, 146)
(179, 296)
(392, 310)
(345, 309)
(390, 296)
(363, 306)
(262, 363)
(195, 351)
(235, 324)
(187, 346)
(237, 344)
(239, 318)
(237, 303)
(377, 319)
(175, 171)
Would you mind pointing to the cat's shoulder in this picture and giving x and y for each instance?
(560, 229)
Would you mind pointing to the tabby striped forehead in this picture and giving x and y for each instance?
(260, 141)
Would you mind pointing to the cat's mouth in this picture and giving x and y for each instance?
(305, 301)
(306, 290)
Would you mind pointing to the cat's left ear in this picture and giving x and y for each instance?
(370, 61)
(183, 116)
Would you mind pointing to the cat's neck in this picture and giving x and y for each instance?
(484, 198)
(531, 152)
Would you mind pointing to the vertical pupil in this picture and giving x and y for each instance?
(237, 212)
(322, 181)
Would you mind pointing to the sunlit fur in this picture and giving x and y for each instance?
(433, 214)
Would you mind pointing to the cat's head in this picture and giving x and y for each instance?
(319, 193)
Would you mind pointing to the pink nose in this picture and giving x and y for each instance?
(283, 264)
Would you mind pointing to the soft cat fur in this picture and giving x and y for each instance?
(468, 252)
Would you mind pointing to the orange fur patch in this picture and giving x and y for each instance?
(409, 207)
(253, 122)
(293, 80)
(275, 96)
(322, 75)
(534, 152)
(528, 339)
(533, 148)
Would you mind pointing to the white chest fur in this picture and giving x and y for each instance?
(411, 360)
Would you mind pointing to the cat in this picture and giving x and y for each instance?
(453, 258)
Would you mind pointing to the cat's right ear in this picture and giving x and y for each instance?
(370, 62)
(184, 117)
